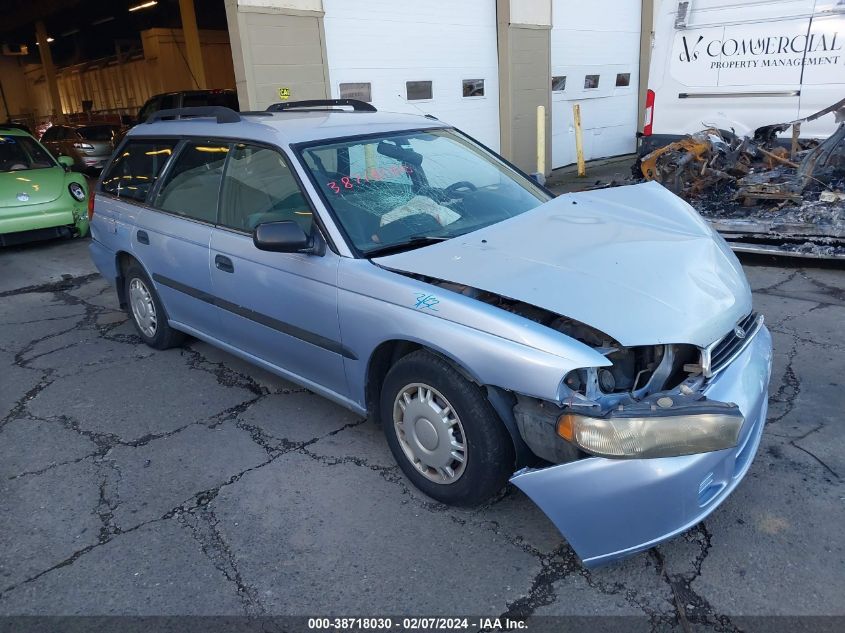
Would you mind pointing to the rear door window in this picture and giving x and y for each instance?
(259, 187)
(213, 98)
(153, 105)
(192, 186)
(51, 134)
(136, 168)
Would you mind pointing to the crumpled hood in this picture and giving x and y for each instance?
(635, 262)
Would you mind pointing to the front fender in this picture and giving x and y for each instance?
(493, 346)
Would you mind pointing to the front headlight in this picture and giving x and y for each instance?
(652, 436)
(76, 191)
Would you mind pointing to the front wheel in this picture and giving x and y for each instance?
(443, 432)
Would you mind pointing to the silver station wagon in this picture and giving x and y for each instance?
(599, 350)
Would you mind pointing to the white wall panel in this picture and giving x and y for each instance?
(602, 38)
(387, 43)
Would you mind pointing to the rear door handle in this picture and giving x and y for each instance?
(224, 263)
(143, 238)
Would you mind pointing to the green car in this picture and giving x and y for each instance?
(39, 197)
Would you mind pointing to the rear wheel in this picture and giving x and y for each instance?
(147, 311)
(443, 432)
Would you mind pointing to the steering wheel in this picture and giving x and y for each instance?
(461, 184)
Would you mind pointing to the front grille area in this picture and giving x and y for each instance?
(717, 356)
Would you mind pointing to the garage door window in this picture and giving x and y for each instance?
(473, 87)
(623, 79)
(259, 187)
(360, 91)
(135, 169)
(591, 81)
(418, 90)
(193, 185)
(559, 83)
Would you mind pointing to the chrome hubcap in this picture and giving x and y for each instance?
(143, 308)
(430, 433)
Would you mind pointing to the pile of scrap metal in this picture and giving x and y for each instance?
(761, 196)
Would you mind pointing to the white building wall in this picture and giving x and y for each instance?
(600, 37)
(386, 43)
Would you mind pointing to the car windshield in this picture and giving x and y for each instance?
(18, 153)
(400, 191)
(96, 132)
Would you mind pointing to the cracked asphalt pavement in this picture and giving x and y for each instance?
(187, 482)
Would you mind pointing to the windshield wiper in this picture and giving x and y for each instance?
(413, 242)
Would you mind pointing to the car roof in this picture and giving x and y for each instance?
(13, 131)
(291, 127)
(194, 92)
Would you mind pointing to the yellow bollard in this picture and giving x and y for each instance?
(579, 141)
(541, 140)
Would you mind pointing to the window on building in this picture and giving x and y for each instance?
(591, 81)
(473, 87)
(417, 90)
(623, 79)
(259, 187)
(135, 169)
(193, 184)
(559, 83)
(360, 91)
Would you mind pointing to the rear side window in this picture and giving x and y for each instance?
(213, 98)
(259, 187)
(149, 107)
(135, 169)
(192, 186)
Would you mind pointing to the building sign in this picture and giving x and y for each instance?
(284, 94)
(770, 53)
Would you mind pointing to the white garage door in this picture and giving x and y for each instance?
(446, 49)
(595, 62)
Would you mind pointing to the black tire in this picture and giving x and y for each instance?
(164, 336)
(489, 453)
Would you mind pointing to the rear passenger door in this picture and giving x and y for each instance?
(172, 234)
(278, 307)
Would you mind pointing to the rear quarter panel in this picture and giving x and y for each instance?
(113, 222)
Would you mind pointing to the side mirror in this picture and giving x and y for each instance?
(281, 237)
(65, 161)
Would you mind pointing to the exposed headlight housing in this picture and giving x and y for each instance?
(77, 191)
(645, 436)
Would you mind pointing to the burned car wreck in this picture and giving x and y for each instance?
(763, 194)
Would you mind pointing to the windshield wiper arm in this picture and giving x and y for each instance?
(415, 241)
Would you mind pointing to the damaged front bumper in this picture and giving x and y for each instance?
(608, 509)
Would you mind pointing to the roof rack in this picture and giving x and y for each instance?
(222, 114)
(321, 104)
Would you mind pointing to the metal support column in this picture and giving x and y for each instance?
(192, 42)
(49, 71)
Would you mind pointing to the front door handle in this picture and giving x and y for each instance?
(224, 263)
(143, 238)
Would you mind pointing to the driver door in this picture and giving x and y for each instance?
(280, 308)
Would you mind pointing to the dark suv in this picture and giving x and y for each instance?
(188, 99)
